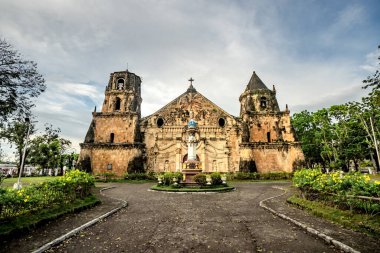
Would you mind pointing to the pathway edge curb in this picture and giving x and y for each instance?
(84, 226)
(310, 230)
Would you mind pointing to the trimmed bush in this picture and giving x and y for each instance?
(200, 179)
(140, 176)
(167, 177)
(216, 178)
(246, 176)
(259, 176)
(106, 176)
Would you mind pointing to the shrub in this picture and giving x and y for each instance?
(106, 176)
(276, 176)
(246, 176)
(74, 184)
(200, 179)
(140, 176)
(167, 177)
(216, 178)
(337, 189)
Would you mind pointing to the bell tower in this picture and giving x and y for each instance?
(257, 98)
(123, 93)
(262, 119)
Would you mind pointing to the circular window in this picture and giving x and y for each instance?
(160, 122)
(222, 122)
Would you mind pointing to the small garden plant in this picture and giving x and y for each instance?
(352, 191)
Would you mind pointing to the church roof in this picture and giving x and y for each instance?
(255, 83)
(194, 92)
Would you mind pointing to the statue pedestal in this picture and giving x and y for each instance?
(192, 168)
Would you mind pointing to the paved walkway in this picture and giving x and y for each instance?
(212, 222)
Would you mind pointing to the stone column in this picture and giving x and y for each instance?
(178, 157)
(203, 156)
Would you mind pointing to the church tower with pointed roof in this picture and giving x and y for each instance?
(265, 125)
(257, 98)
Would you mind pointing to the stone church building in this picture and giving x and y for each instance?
(119, 140)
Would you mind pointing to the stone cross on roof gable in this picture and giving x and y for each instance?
(191, 88)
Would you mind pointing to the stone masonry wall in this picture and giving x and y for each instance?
(123, 127)
(278, 125)
(273, 158)
(118, 157)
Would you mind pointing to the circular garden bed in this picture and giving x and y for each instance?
(213, 188)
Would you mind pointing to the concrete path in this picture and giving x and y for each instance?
(213, 222)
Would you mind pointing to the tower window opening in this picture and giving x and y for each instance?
(117, 104)
(268, 136)
(263, 102)
(120, 83)
(112, 137)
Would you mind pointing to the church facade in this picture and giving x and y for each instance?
(119, 140)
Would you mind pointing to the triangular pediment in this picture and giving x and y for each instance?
(190, 104)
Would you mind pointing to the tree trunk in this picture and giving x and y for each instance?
(356, 163)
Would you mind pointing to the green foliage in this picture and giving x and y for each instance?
(216, 178)
(200, 179)
(339, 189)
(22, 223)
(105, 176)
(167, 177)
(47, 150)
(20, 82)
(208, 188)
(140, 176)
(360, 222)
(259, 176)
(73, 185)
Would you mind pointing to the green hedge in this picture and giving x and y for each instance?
(73, 185)
(200, 179)
(167, 177)
(140, 176)
(216, 178)
(259, 176)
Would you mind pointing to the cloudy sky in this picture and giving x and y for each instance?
(315, 52)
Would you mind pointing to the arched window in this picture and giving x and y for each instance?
(112, 137)
(117, 104)
(263, 102)
(268, 136)
(120, 84)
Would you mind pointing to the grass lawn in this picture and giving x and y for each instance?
(8, 182)
(369, 224)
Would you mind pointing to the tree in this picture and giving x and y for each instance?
(16, 133)
(371, 107)
(47, 149)
(306, 131)
(19, 83)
